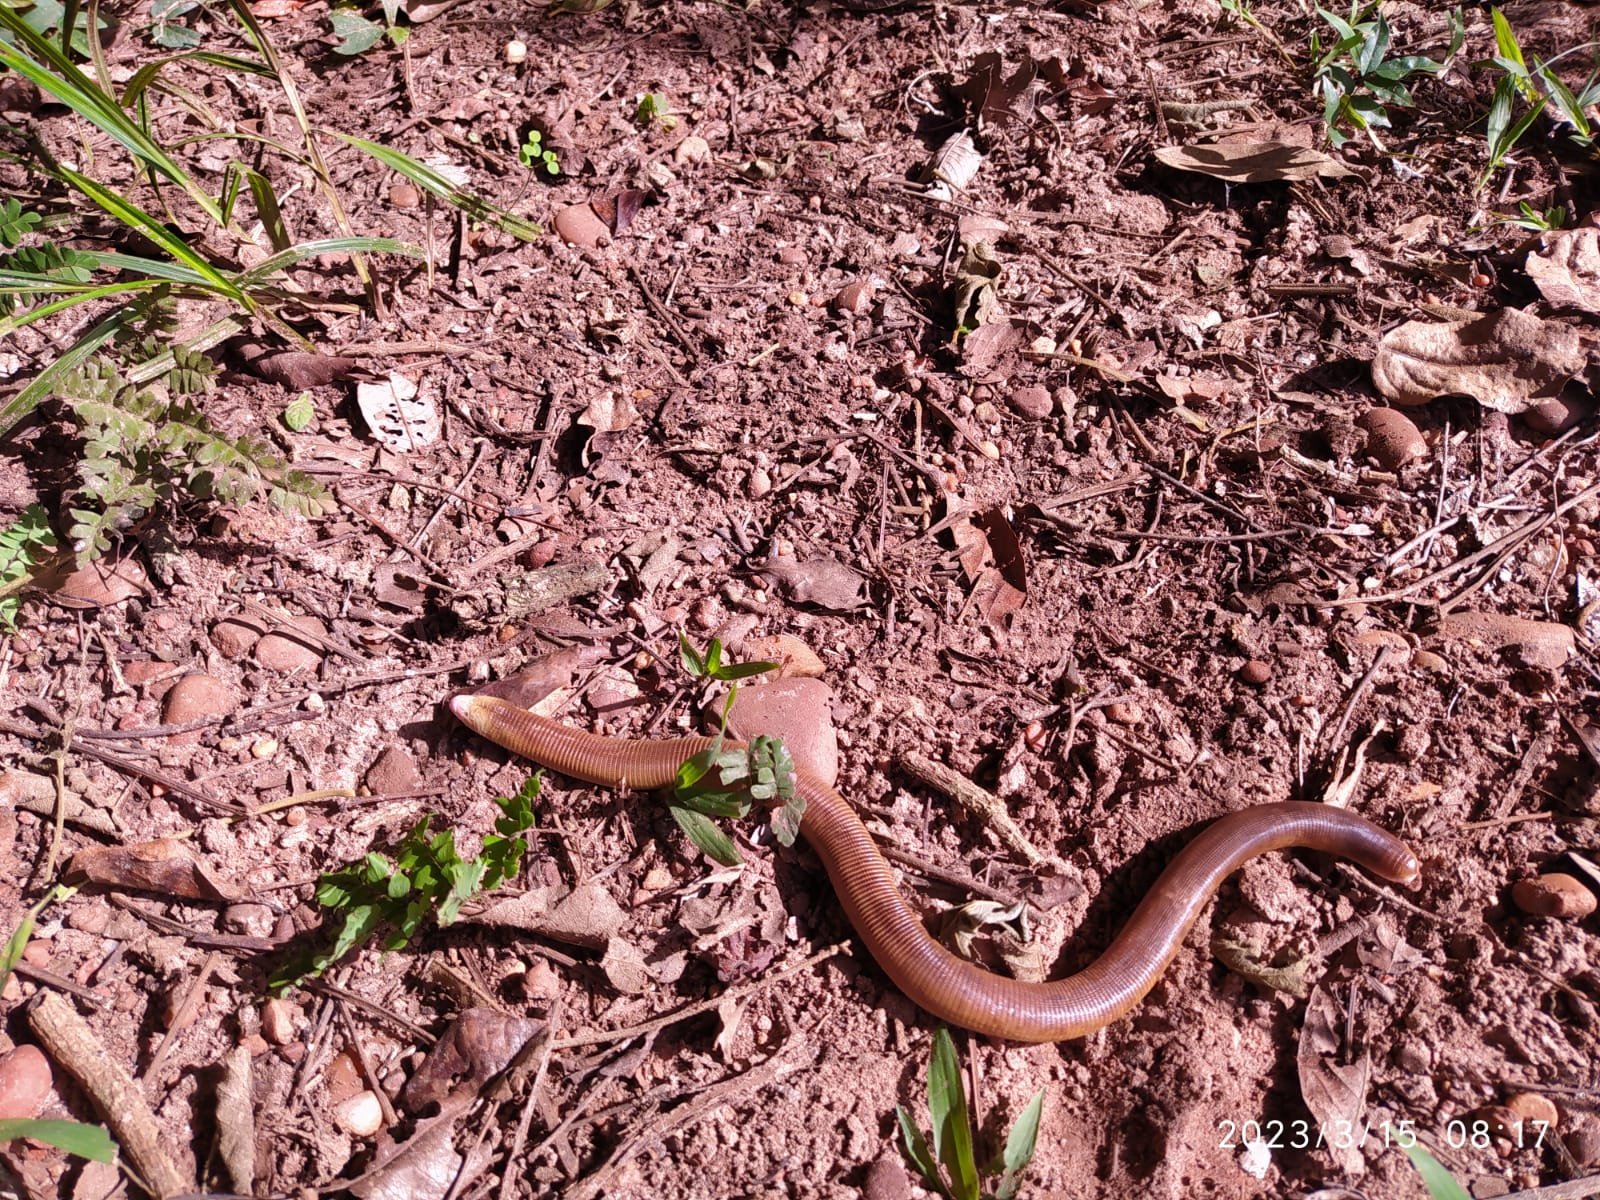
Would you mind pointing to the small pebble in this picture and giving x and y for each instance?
(516, 52)
(288, 655)
(1427, 660)
(540, 982)
(234, 639)
(264, 748)
(1033, 402)
(277, 1021)
(579, 226)
(195, 697)
(1584, 1145)
(1534, 1107)
(1122, 713)
(760, 483)
(692, 149)
(1255, 673)
(1554, 895)
(1558, 415)
(359, 1116)
(394, 772)
(1393, 438)
(854, 298)
(404, 195)
(24, 1083)
(656, 879)
(887, 1179)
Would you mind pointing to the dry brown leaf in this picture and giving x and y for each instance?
(609, 413)
(625, 967)
(1253, 162)
(995, 96)
(974, 298)
(1334, 1092)
(398, 417)
(479, 1044)
(1567, 273)
(1508, 360)
(164, 865)
(1180, 388)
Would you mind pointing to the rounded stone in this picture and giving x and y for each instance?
(197, 696)
(24, 1083)
(1393, 439)
(283, 653)
(1553, 895)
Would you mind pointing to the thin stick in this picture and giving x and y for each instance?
(605, 1036)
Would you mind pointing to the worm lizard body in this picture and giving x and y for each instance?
(951, 988)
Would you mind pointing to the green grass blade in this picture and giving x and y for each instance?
(342, 245)
(136, 218)
(430, 180)
(952, 1127)
(1020, 1145)
(9, 325)
(56, 75)
(1440, 1183)
(86, 1141)
(267, 208)
(917, 1150)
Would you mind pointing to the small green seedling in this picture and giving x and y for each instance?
(654, 110)
(86, 1141)
(1357, 80)
(1540, 89)
(427, 875)
(1530, 218)
(1440, 1183)
(19, 541)
(710, 665)
(357, 34)
(299, 412)
(949, 1166)
(722, 781)
(533, 154)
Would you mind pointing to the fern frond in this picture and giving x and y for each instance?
(15, 223)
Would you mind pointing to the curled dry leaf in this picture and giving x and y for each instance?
(478, 1046)
(1567, 270)
(996, 96)
(609, 413)
(396, 415)
(164, 865)
(1508, 360)
(954, 164)
(973, 298)
(1253, 162)
(1334, 1091)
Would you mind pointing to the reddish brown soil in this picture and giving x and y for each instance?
(1165, 547)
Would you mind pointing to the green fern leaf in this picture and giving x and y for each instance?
(15, 223)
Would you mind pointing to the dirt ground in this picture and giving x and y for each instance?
(1121, 557)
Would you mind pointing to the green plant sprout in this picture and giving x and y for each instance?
(654, 110)
(85, 1141)
(358, 35)
(722, 781)
(949, 1166)
(19, 541)
(533, 153)
(1540, 89)
(1440, 1183)
(427, 876)
(1356, 78)
(1530, 218)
